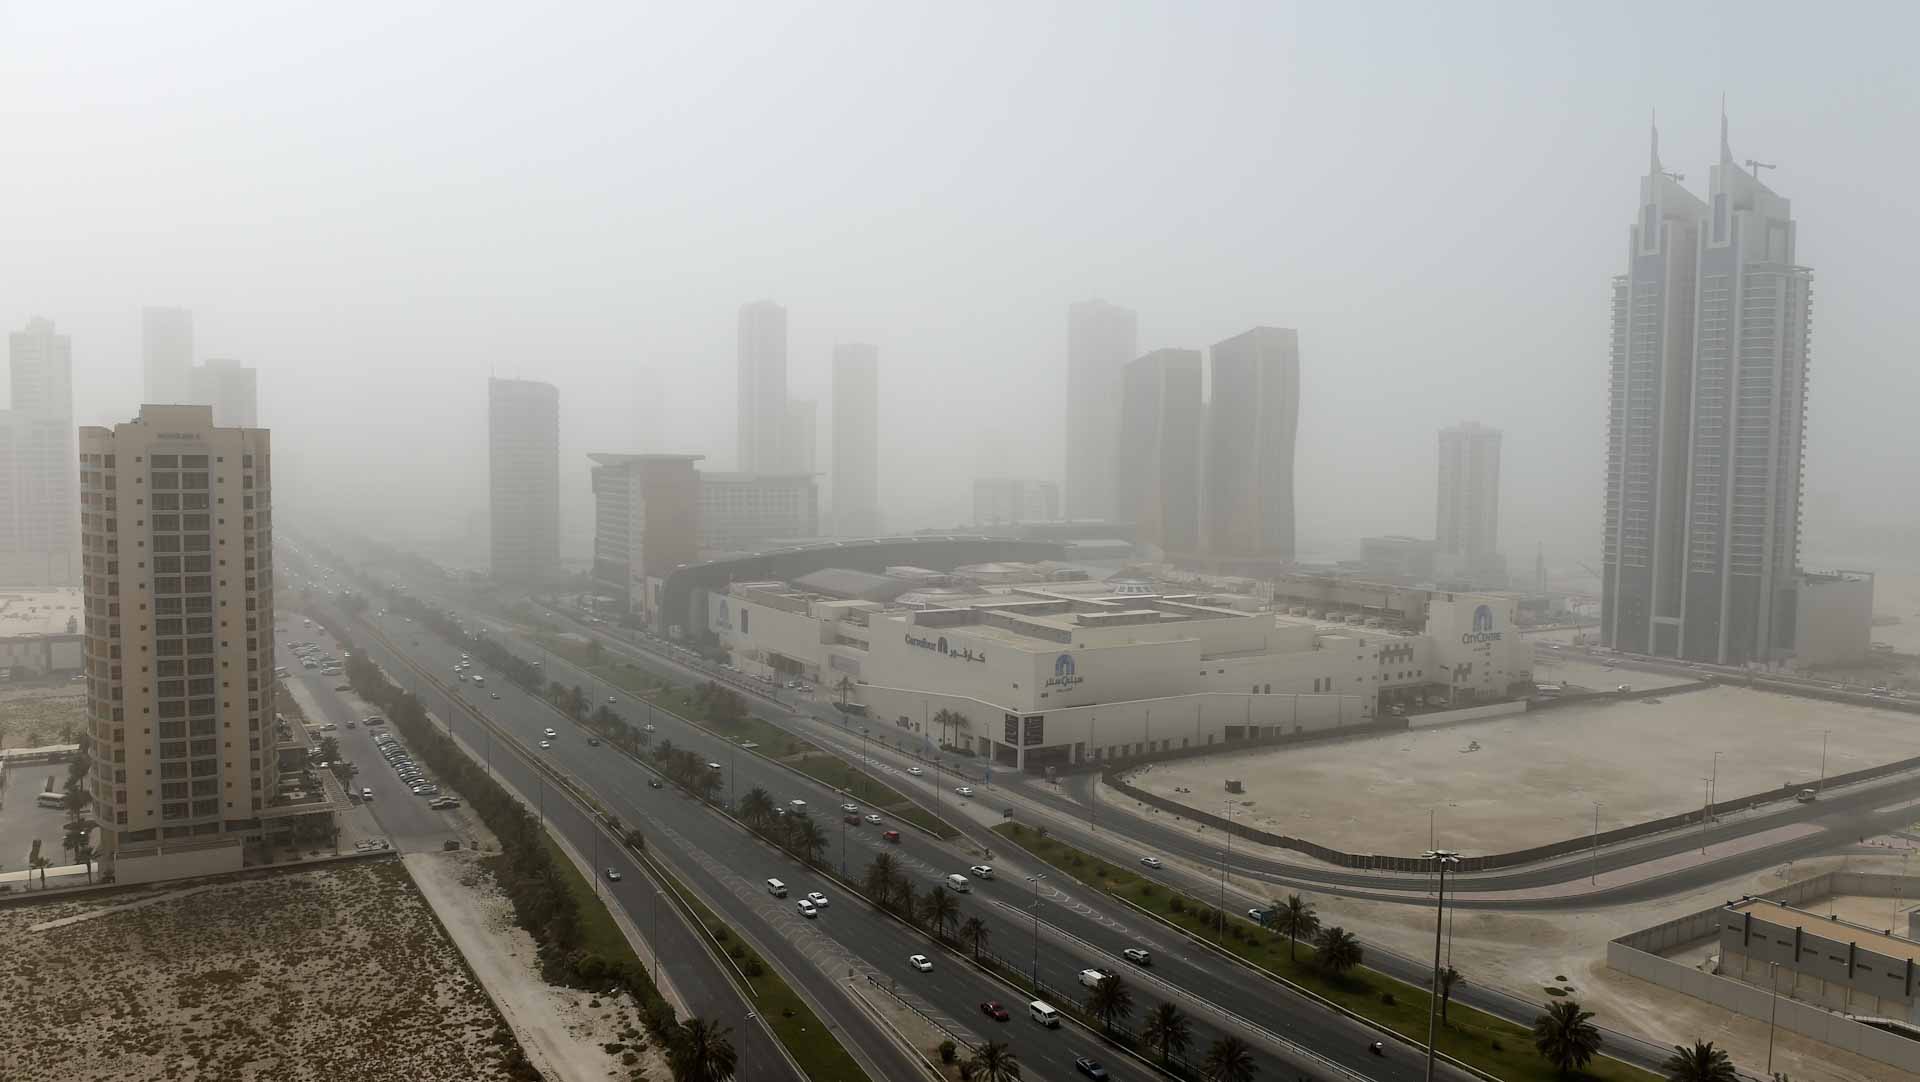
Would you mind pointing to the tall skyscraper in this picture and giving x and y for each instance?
(762, 404)
(1158, 480)
(646, 522)
(750, 512)
(803, 435)
(1707, 397)
(177, 532)
(39, 523)
(523, 445)
(1101, 339)
(1010, 501)
(1251, 426)
(856, 440)
(1467, 522)
(231, 388)
(166, 344)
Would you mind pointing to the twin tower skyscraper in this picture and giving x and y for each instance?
(1205, 482)
(1706, 421)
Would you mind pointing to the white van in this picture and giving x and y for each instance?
(50, 799)
(1043, 1014)
(776, 888)
(959, 884)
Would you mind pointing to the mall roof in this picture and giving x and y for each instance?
(852, 585)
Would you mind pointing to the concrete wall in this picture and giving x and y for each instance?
(1833, 620)
(177, 863)
(42, 654)
(1745, 999)
(1469, 713)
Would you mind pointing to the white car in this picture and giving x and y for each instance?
(920, 962)
(611, 700)
(915, 771)
(873, 819)
(807, 909)
(964, 790)
(982, 871)
(649, 726)
(1150, 862)
(818, 899)
(850, 809)
(545, 744)
(366, 793)
(548, 733)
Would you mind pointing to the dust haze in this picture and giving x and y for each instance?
(378, 206)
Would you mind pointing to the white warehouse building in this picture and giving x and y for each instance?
(1061, 673)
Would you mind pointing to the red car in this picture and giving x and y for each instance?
(892, 836)
(851, 820)
(994, 1011)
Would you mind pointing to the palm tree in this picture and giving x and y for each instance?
(707, 782)
(1564, 1037)
(1338, 950)
(879, 879)
(1229, 1059)
(940, 911)
(41, 864)
(994, 1062)
(701, 1052)
(975, 933)
(1448, 978)
(757, 807)
(906, 901)
(1295, 919)
(1701, 1063)
(1110, 1001)
(812, 840)
(1169, 1030)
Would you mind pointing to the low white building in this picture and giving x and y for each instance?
(1066, 672)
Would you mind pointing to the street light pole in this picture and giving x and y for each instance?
(1221, 904)
(1821, 786)
(1596, 843)
(1035, 880)
(1773, 1010)
(1440, 858)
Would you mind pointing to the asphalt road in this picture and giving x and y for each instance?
(409, 823)
(1075, 931)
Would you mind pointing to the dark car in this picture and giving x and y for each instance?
(850, 820)
(1089, 1067)
(892, 836)
(994, 1011)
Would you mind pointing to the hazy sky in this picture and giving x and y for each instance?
(379, 204)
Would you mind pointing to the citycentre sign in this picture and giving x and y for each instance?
(1482, 628)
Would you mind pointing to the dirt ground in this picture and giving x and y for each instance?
(34, 717)
(563, 1030)
(336, 972)
(1528, 779)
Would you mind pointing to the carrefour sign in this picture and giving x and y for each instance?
(1482, 627)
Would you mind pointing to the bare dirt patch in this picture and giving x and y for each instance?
(336, 972)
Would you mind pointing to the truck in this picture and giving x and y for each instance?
(1091, 978)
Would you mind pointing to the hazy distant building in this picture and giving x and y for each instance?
(1707, 401)
(748, 512)
(523, 456)
(166, 348)
(1009, 501)
(762, 403)
(1101, 339)
(231, 388)
(1251, 425)
(1467, 522)
(1400, 558)
(646, 522)
(856, 440)
(803, 435)
(1157, 485)
(39, 524)
(179, 643)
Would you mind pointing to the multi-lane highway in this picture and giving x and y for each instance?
(1075, 928)
(408, 822)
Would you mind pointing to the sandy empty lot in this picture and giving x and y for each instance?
(1534, 778)
(337, 972)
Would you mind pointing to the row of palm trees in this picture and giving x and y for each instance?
(797, 832)
(687, 769)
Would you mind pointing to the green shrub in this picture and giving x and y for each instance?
(948, 1051)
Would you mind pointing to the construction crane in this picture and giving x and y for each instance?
(1757, 166)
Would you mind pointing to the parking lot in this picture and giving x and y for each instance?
(22, 820)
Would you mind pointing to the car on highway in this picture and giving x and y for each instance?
(850, 820)
(613, 875)
(920, 962)
(496, 695)
(1150, 862)
(1090, 1067)
(964, 790)
(915, 771)
(593, 741)
(807, 908)
(713, 766)
(611, 700)
(649, 726)
(655, 783)
(981, 871)
(849, 807)
(873, 819)
(1257, 916)
(366, 793)
(444, 803)
(1138, 956)
(549, 733)
(817, 898)
(994, 1011)
(545, 744)
(892, 836)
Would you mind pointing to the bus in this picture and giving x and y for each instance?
(51, 799)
